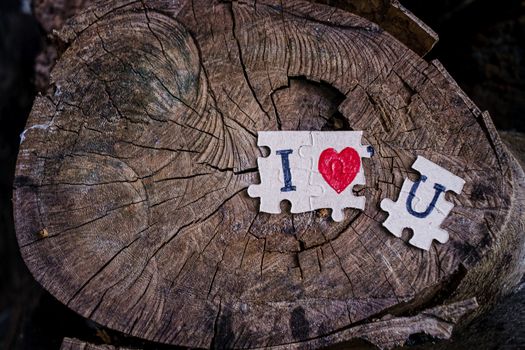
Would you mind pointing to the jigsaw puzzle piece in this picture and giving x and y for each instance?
(284, 174)
(393, 223)
(421, 206)
(337, 149)
(267, 203)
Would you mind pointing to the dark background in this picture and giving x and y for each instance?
(482, 44)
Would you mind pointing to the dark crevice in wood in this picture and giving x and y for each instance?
(436, 296)
(106, 264)
(241, 61)
(337, 121)
(108, 212)
(373, 28)
(213, 343)
(275, 111)
(490, 136)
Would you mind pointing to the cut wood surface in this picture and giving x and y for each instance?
(136, 165)
(390, 15)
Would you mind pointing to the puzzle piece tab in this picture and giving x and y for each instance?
(422, 206)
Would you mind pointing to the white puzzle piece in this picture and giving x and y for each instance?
(284, 147)
(422, 206)
(312, 170)
(337, 193)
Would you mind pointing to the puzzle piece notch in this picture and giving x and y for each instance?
(337, 201)
(422, 206)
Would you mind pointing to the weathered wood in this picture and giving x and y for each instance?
(393, 17)
(389, 15)
(137, 163)
(51, 15)
(390, 332)
(500, 328)
(75, 344)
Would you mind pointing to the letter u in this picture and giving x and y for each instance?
(438, 190)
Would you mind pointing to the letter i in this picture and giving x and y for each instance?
(287, 174)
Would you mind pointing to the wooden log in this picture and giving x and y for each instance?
(137, 163)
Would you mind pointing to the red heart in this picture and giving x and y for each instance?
(339, 169)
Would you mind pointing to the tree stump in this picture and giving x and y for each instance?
(130, 196)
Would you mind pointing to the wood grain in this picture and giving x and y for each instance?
(137, 166)
(394, 18)
(390, 15)
(76, 344)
